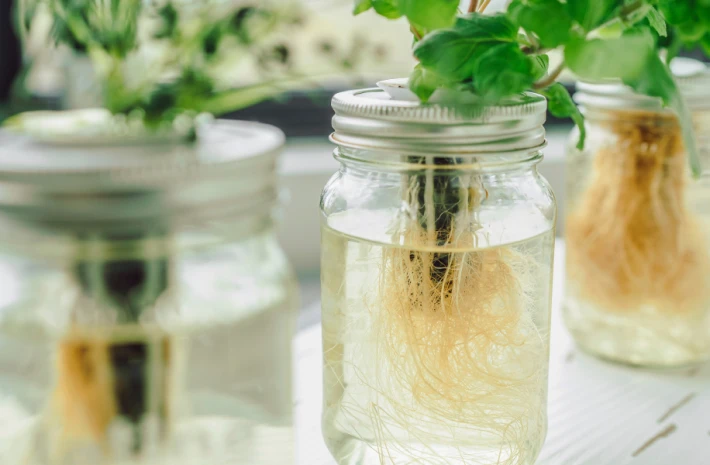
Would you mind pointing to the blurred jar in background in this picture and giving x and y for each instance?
(638, 227)
(147, 311)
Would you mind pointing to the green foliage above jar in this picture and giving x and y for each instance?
(162, 61)
(500, 55)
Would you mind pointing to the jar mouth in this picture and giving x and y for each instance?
(230, 170)
(409, 163)
(615, 95)
(371, 119)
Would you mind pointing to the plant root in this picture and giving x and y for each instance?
(631, 240)
(455, 367)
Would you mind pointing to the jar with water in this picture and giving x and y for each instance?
(146, 312)
(437, 250)
(638, 229)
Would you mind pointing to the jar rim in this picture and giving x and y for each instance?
(230, 168)
(691, 76)
(372, 119)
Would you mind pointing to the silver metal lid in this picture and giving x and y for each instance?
(390, 119)
(230, 170)
(691, 76)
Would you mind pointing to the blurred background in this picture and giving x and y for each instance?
(336, 50)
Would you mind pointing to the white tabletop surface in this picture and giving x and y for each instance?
(599, 413)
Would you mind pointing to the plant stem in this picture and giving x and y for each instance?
(473, 6)
(631, 8)
(624, 13)
(551, 78)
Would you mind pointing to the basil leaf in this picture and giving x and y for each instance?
(705, 44)
(501, 71)
(483, 27)
(691, 30)
(657, 21)
(387, 8)
(361, 6)
(429, 14)
(540, 65)
(676, 11)
(597, 59)
(549, 20)
(424, 82)
(448, 53)
(591, 14)
(561, 105)
(453, 52)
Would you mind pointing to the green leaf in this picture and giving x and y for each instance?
(424, 82)
(549, 20)
(672, 44)
(484, 27)
(561, 105)
(540, 65)
(692, 30)
(597, 59)
(168, 21)
(591, 14)
(429, 14)
(657, 81)
(453, 52)
(705, 44)
(387, 8)
(501, 71)
(361, 6)
(676, 11)
(657, 21)
(448, 53)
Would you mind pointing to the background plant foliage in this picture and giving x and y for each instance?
(501, 55)
(158, 60)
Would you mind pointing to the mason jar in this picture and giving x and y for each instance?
(637, 231)
(437, 250)
(147, 309)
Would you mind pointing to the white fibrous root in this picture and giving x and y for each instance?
(454, 367)
(631, 241)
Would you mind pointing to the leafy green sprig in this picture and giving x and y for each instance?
(160, 60)
(498, 56)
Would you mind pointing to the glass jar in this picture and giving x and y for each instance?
(147, 310)
(437, 248)
(637, 229)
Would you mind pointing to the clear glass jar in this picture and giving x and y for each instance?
(437, 248)
(147, 309)
(637, 230)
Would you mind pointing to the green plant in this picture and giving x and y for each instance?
(161, 60)
(498, 56)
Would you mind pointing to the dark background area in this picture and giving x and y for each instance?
(10, 59)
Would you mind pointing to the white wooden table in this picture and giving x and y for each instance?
(599, 413)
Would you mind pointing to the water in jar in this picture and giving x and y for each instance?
(416, 372)
(211, 365)
(637, 285)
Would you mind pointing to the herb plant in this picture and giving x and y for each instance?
(500, 55)
(637, 249)
(160, 60)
